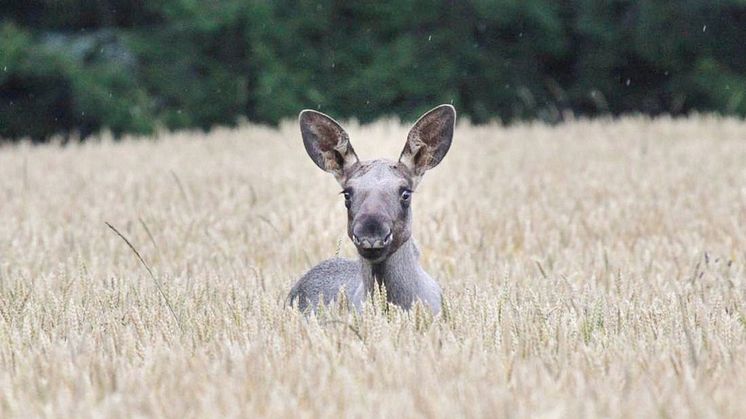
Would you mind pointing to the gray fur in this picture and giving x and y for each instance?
(401, 274)
(378, 195)
(323, 283)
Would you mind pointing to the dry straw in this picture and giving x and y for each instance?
(596, 268)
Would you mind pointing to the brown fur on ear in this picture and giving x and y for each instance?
(326, 143)
(429, 140)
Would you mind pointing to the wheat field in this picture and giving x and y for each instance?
(591, 269)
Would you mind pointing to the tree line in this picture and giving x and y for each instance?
(75, 67)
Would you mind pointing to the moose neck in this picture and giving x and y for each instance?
(399, 273)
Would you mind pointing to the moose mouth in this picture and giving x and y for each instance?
(373, 249)
(372, 255)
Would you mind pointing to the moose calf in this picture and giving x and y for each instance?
(378, 197)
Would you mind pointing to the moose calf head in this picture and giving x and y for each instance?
(378, 193)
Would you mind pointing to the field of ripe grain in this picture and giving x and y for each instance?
(596, 268)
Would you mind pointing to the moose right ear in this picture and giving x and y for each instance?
(326, 143)
(429, 140)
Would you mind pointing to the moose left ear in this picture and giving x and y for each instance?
(327, 143)
(429, 140)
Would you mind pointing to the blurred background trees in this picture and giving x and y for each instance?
(75, 67)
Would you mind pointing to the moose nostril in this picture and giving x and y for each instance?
(371, 242)
(371, 233)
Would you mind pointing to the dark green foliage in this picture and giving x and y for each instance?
(75, 67)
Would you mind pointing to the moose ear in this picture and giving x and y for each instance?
(326, 143)
(429, 140)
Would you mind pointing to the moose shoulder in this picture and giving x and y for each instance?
(378, 197)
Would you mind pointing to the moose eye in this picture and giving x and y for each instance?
(348, 197)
